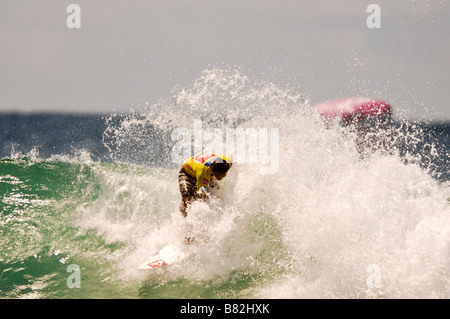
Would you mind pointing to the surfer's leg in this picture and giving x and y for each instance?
(185, 203)
(188, 187)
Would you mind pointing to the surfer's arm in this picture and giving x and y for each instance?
(203, 178)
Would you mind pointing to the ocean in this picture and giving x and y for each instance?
(99, 193)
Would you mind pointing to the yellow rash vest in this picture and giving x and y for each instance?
(199, 167)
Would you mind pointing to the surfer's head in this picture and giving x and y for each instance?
(220, 169)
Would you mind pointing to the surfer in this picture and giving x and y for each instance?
(197, 177)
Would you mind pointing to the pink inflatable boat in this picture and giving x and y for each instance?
(347, 108)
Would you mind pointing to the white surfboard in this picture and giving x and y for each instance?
(168, 255)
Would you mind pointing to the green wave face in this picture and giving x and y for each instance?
(106, 218)
(37, 223)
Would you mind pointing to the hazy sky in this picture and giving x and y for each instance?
(129, 52)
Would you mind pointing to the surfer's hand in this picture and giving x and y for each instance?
(203, 196)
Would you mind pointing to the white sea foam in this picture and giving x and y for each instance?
(330, 216)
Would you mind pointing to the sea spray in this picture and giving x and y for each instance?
(326, 223)
(334, 212)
